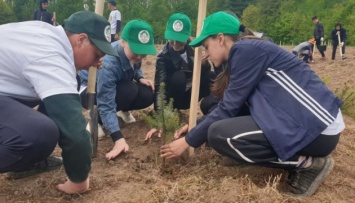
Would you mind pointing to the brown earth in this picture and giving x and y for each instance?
(136, 176)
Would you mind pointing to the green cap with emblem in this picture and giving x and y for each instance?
(178, 28)
(220, 22)
(140, 37)
(96, 27)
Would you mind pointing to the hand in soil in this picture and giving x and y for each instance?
(70, 187)
(181, 131)
(174, 149)
(152, 132)
(120, 145)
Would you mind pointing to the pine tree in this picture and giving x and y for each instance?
(166, 118)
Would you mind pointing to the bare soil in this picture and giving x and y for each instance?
(136, 175)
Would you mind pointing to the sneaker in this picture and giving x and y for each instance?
(305, 181)
(50, 163)
(101, 133)
(126, 116)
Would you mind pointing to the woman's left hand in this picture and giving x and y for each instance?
(174, 149)
(147, 83)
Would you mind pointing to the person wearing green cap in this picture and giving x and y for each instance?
(121, 86)
(43, 72)
(292, 112)
(174, 65)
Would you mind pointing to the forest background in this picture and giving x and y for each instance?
(286, 21)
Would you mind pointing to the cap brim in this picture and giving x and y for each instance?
(198, 41)
(170, 35)
(104, 47)
(144, 49)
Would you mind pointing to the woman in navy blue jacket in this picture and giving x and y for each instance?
(292, 112)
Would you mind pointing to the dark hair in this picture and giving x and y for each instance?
(112, 2)
(222, 80)
(44, 1)
(314, 17)
(337, 24)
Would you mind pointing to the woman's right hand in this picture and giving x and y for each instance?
(181, 131)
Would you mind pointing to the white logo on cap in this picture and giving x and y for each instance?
(178, 25)
(107, 33)
(143, 36)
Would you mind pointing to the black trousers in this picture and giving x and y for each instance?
(241, 139)
(318, 47)
(176, 89)
(129, 96)
(27, 136)
(335, 46)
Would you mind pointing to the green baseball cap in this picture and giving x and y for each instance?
(220, 22)
(178, 27)
(96, 27)
(140, 37)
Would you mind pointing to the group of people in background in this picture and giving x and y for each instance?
(261, 104)
(338, 36)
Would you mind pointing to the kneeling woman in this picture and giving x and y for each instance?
(292, 111)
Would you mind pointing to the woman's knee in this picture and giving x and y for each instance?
(214, 134)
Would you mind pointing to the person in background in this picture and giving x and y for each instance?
(42, 14)
(44, 73)
(305, 49)
(318, 35)
(292, 111)
(114, 19)
(174, 65)
(338, 31)
(121, 86)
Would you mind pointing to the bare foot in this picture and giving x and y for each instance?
(120, 146)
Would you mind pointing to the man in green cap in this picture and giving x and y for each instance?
(43, 73)
(121, 86)
(175, 62)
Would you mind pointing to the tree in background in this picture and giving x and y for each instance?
(6, 14)
(283, 20)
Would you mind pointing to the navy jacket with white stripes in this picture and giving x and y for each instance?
(287, 100)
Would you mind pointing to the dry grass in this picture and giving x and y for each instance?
(136, 176)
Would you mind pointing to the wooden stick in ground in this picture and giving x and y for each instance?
(202, 6)
(340, 48)
(91, 91)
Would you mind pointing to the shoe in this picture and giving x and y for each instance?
(126, 116)
(343, 57)
(50, 163)
(101, 133)
(305, 181)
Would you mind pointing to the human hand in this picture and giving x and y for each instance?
(120, 146)
(321, 39)
(174, 149)
(152, 132)
(181, 131)
(341, 44)
(147, 83)
(70, 187)
(338, 32)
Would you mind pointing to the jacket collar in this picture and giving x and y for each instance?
(126, 65)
